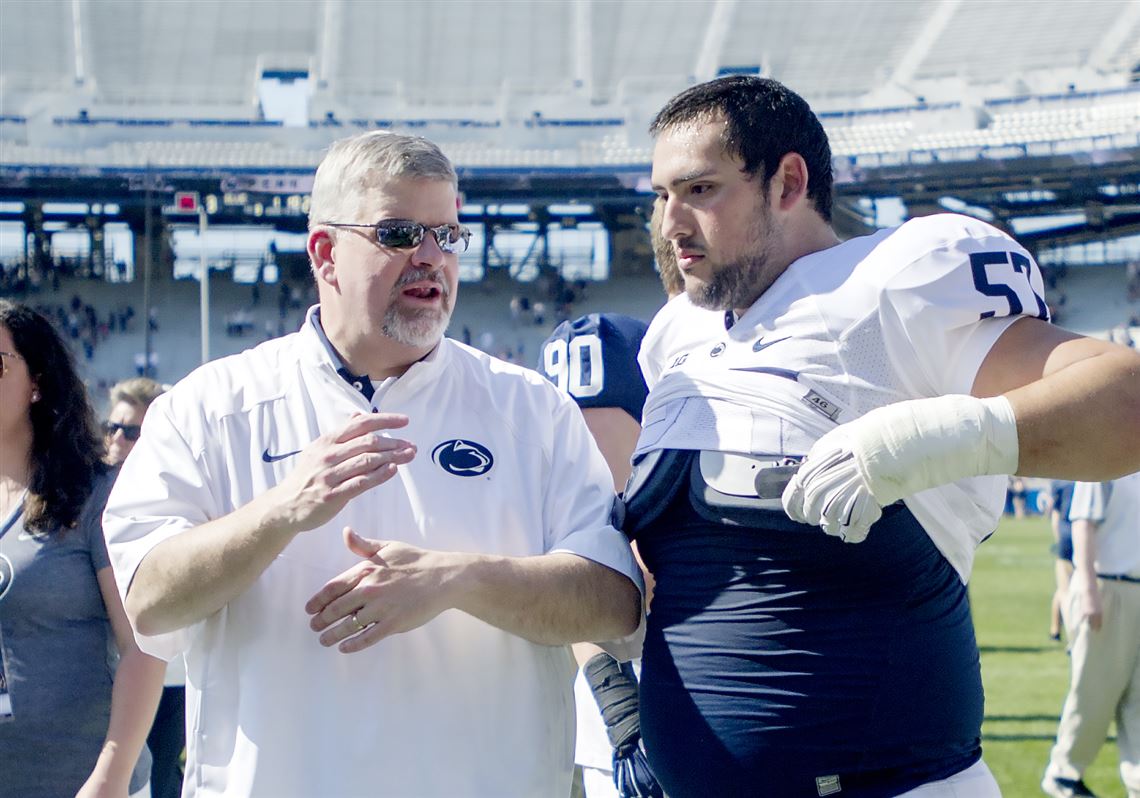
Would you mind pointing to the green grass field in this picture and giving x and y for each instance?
(1026, 674)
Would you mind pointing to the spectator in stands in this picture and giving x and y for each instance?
(70, 722)
(129, 402)
(232, 511)
(1103, 615)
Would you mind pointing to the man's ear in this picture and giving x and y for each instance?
(789, 184)
(322, 255)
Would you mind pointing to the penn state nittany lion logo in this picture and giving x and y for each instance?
(463, 458)
(6, 573)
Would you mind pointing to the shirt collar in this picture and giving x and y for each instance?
(360, 382)
(429, 363)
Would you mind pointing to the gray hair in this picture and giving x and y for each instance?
(356, 166)
(138, 392)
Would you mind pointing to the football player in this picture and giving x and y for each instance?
(594, 359)
(900, 377)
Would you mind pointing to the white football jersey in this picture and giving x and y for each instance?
(678, 327)
(904, 313)
(457, 707)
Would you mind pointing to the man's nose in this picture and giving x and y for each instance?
(429, 254)
(676, 220)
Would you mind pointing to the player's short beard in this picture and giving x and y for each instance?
(418, 327)
(740, 283)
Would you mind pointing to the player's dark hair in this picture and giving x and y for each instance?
(764, 121)
(67, 450)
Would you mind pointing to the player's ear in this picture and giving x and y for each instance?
(789, 184)
(322, 254)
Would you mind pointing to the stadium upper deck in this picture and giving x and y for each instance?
(1023, 107)
(563, 83)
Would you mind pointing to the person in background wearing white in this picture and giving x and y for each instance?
(1103, 622)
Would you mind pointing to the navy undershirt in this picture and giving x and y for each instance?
(780, 661)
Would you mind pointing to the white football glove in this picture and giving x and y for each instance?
(828, 491)
(858, 468)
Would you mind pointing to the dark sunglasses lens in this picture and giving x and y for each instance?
(130, 431)
(399, 235)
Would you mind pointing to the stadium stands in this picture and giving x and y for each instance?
(88, 92)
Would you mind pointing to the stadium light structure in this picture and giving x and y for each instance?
(187, 203)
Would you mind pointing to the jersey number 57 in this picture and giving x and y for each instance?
(1011, 275)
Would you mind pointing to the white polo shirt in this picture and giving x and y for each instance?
(905, 313)
(505, 465)
(1115, 509)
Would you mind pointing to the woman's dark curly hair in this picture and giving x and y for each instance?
(67, 450)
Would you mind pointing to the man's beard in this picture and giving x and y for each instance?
(740, 283)
(734, 285)
(417, 327)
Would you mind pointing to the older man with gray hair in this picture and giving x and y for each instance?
(425, 653)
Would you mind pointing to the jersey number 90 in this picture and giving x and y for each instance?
(564, 364)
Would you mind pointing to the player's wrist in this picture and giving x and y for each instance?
(615, 691)
(909, 447)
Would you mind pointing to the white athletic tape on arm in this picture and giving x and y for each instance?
(908, 447)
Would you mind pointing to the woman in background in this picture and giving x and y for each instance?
(70, 723)
(129, 402)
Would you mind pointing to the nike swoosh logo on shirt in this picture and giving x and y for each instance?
(761, 345)
(273, 458)
(787, 374)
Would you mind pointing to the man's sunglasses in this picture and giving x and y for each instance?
(406, 234)
(4, 366)
(130, 431)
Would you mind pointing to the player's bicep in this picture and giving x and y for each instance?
(1028, 350)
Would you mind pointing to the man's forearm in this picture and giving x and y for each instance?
(1084, 550)
(553, 599)
(192, 575)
